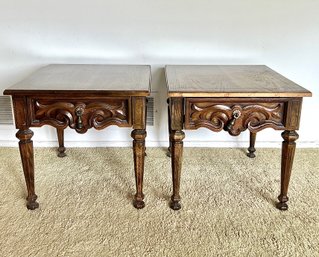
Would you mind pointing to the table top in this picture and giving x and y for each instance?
(91, 78)
(229, 81)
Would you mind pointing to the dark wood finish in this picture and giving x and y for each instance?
(229, 81)
(176, 141)
(232, 98)
(217, 114)
(139, 155)
(138, 135)
(288, 153)
(61, 149)
(251, 149)
(79, 114)
(107, 95)
(106, 80)
(27, 157)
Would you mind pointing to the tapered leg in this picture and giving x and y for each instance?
(287, 157)
(61, 149)
(251, 148)
(176, 139)
(26, 153)
(175, 122)
(139, 155)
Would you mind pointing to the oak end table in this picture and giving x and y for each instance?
(232, 98)
(81, 97)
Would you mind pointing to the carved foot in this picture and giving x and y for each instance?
(138, 202)
(32, 204)
(61, 152)
(251, 152)
(175, 205)
(282, 205)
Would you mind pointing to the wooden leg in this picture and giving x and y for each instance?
(61, 149)
(26, 153)
(169, 149)
(176, 138)
(139, 155)
(175, 122)
(287, 157)
(251, 149)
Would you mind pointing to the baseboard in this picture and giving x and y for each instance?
(214, 144)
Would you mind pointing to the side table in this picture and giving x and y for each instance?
(82, 97)
(232, 98)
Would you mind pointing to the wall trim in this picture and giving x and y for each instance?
(212, 144)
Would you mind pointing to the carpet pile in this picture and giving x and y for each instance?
(227, 205)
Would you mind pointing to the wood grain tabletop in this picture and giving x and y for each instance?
(229, 81)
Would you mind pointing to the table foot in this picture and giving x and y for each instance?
(168, 152)
(138, 201)
(175, 205)
(32, 204)
(139, 204)
(251, 153)
(282, 205)
(61, 152)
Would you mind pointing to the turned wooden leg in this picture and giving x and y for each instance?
(26, 153)
(176, 138)
(61, 149)
(139, 155)
(251, 148)
(287, 157)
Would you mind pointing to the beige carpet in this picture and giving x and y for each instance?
(228, 205)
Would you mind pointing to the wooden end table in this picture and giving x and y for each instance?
(81, 97)
(232, 98)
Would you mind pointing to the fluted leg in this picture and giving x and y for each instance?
(176, 138)
(26, 153)
(287, 157)
(61, 149)
(251, 149)
(139, 155)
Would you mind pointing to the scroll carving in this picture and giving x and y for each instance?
(253, 116)
(81, 116)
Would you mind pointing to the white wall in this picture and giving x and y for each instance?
(281, 34)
